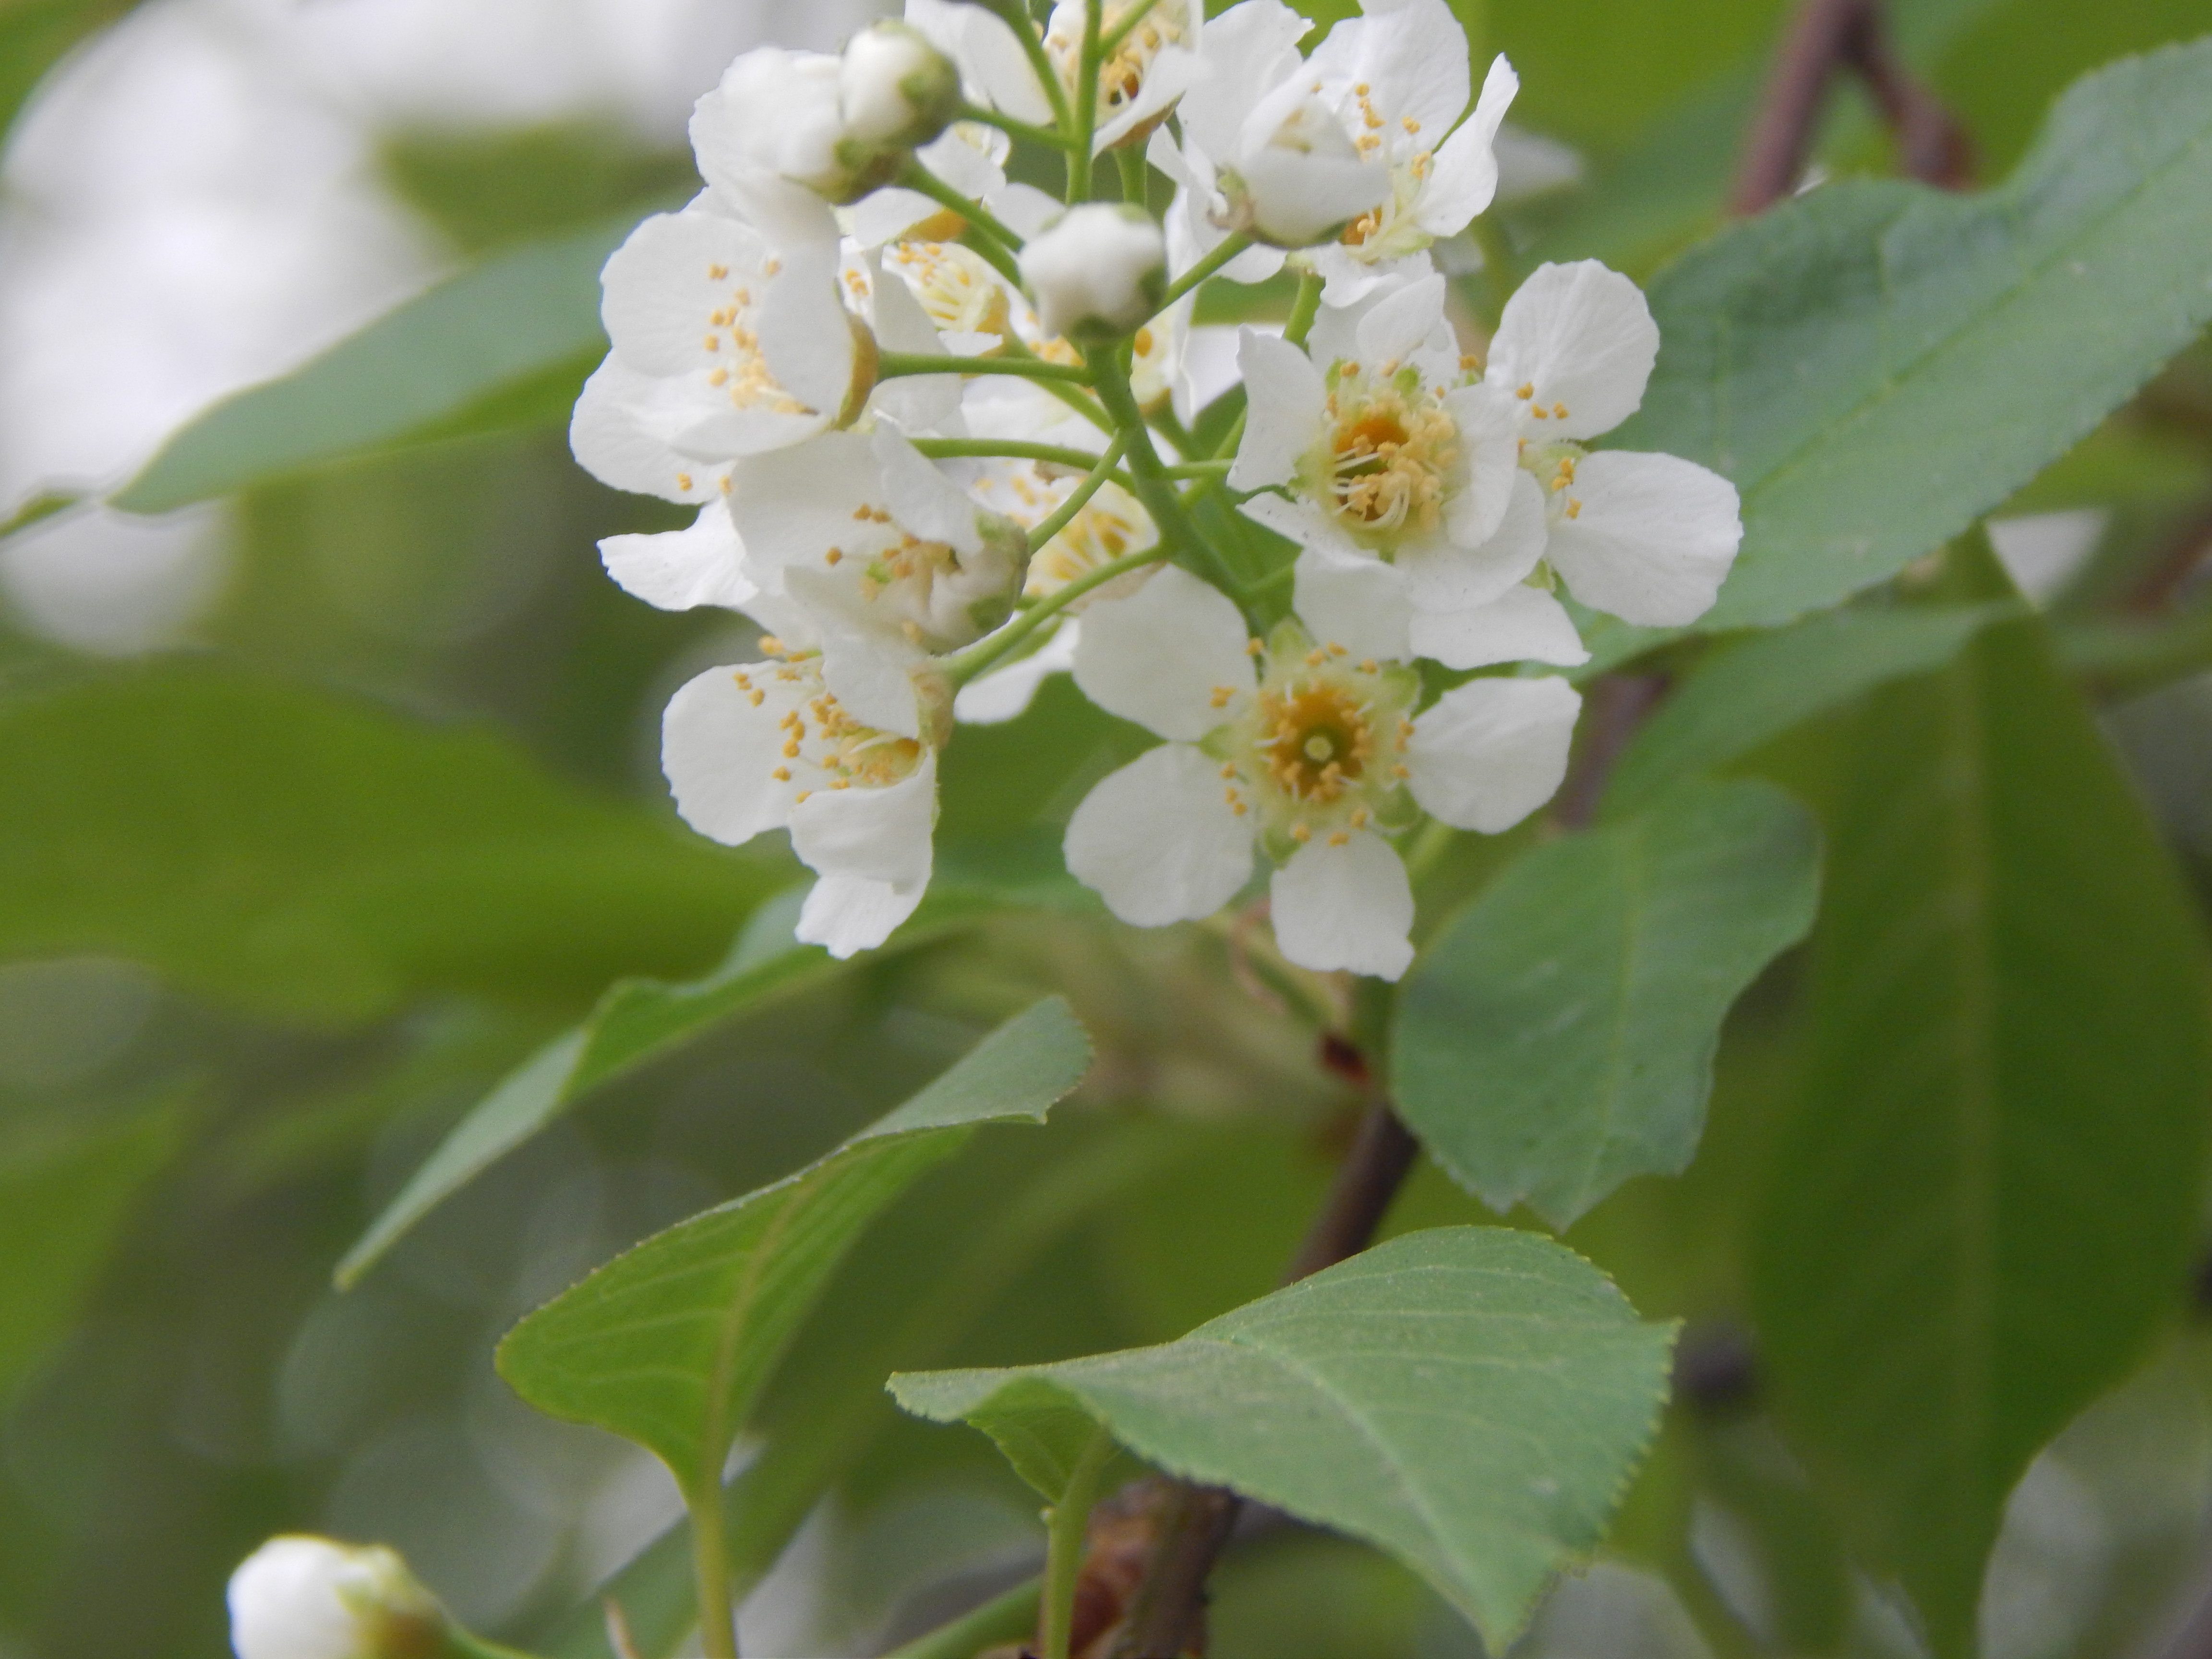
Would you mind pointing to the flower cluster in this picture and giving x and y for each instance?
(941, 429)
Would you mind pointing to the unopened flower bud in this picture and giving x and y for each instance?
(1098, 269)
(309, 1598)
(895, 88)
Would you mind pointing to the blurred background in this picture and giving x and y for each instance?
(203, 1100)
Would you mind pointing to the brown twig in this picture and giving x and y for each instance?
(1827, 35)
(1617, 705)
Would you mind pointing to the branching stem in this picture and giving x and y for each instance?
(895, 365)
(1064, 1530)
(1230, 248)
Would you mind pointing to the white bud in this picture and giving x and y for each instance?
(1097, 269)
(896, 89)
(309, 1598)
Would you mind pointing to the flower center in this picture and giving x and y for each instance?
(957, 290)
(1111, 526)
(1316, 740)
(1121, 73)
(1391, 450)
(823, 746)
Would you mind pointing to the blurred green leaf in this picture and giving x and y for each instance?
(36, 34)
(1558, 1038)
(1988, 1202)
(1749, 692)
(314, 858)
(65, 1193)
(1876, 365)
(640, 1020)
(1472, 1400)
(670, 1344)
(504, 345)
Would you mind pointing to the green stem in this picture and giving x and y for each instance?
(963, 665)
(1426, 845)
(1086, 105)
(1198, 469)
(1079, 497)
(710, 1572)
(988, 237)
(1136, 177)
(1303, 309)
(1011, 128)
(1115, 36)
(1233, 440)
(1018, 18)
(1007, 448)
(466, 1645)
(1065, 1531)
(895, 365)
(1154, 488)
(1009, 1618)
(1230, 248)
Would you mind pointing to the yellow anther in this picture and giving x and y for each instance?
(1336, 650)
(723, 486)
(1340, 839)
(1222, 694)
(1574, 509)
(1229, 770)
(718, 273)
(684, 481)
(805, 795)
(1300, 834)
(781, 774)
(1229, 797)
(1367, 665)
(1238, 808)
(791, 749)
(1558, 411)
(1401, 770)
(713, 343)
(1527, 392)
(1359, 817)
(1253, 647)
(720, 377)
(771, 645)
(1410, 123)
(1541, 412)
(834, 555)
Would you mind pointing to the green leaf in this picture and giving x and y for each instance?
(311, 857)
(1558, 1037)
(640, 1020)
(1747, 693)
(1877, 365)
(1988, 1201)
(502, 346)
(670, 1344)
(64, 1195)
(1472, 1400)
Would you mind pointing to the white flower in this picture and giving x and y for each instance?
(785, 133)
(309, 1598)
(1263, 152)
(1301, 752)
(1098, 267)
(767, 745)
(721, 348)
(1151, 64)
(890, 559)
(1398, 79)
(1415, 524)
(994, 68)
(1647, 537)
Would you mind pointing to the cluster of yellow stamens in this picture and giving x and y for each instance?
(821, 738)
(734, 345)
(956, 288)
(1392, 449)
(1121, 73)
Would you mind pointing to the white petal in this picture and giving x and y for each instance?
(658, 288)
(1410, 54)
(1653, 540)
(1453, 578)
(1399, 322)
(1157, 839)
(1288, 407)
(1295, 519)
(1492, 751)
(718, 750)
(1025, 209)
(992, 63)
(1351, 598)
(1251, 48)
(1348, 906)
(866, 662)
(926, 503)
(1004, 694)
(683, 569)
(1522, 624)
(1490, 447)
(621, 430)
(1583, 337)
(792, 507)
(1161, 656)
(1464, 178)
(805, 332)
(848, 914)
(885, 216)
(883, 833)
